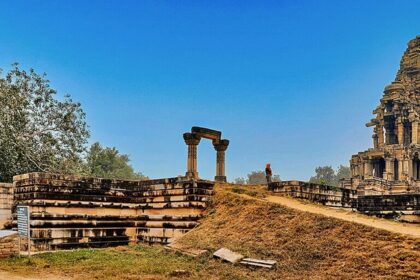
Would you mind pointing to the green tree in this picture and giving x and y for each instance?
(324, 175)
(38, 132)
(109, 163)
(240, 181)
(343, 172)
(276, 178)
(258, 177)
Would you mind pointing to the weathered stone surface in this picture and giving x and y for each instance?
(228, 255)
(326, 195)
(393, 164)
(9, 243)
(258, 263)
(192, 139)
(6, 202)
(388, 204)
(71, 211)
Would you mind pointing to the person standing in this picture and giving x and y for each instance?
(268, 173)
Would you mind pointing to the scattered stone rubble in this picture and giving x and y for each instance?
(228, 255)
(232, 257)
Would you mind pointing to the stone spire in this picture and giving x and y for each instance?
(398, 114)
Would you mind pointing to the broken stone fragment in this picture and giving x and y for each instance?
(258, 263)
(228, 255)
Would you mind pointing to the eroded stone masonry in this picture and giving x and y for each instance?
(385, 179)
(71, 211)
(393, 164)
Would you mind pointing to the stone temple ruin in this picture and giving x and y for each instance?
(393, 164)
(385, 180)
(74, 211)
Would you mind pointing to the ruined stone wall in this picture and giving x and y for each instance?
(68, 211)
(9, 244)
(402, 206)
(6, 201)
(327, 195)
(407, 206)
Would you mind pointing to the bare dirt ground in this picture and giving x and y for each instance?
(346, 215)
(10, 276)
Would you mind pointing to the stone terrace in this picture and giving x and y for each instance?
(70, 211)
(6, 202)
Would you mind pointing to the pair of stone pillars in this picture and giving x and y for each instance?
(220, 145)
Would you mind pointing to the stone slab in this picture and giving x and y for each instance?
(227, 255)
(258, 263)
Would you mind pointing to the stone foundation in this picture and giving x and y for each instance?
(6, 202)
(326, 195)
(9, 244)
(68, 211)
(368, 200)
(406, 207)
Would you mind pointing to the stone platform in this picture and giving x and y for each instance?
(403, 206)
(323, 194)
(6, 202)
(69, 211)
(407, 206)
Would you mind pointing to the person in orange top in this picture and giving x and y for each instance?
(268, 173)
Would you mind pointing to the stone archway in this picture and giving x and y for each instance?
(192, 139)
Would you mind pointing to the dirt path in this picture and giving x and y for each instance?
(402, 228)
(10, 276)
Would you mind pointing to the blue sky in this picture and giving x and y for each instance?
(288, 82)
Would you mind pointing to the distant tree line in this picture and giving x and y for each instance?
(325, 175)
(256, 178)
(39, 132)
(328, 176)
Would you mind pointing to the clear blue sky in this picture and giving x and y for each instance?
(288, 82)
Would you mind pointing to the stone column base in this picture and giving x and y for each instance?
(193, 175)
(220, 178)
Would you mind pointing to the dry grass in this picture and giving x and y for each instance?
(305, 245)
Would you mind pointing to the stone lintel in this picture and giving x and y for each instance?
(206, 133)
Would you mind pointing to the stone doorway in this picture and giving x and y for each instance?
(193, 138)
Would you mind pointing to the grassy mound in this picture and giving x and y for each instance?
(304, 245)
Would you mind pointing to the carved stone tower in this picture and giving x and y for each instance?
(393, 164)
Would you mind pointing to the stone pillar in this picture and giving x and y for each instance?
(389, 169)
(410, 168)
(400, 132)
(415, 169)
(375, 141)
(220, 147)
(414, 132)
(192, 140)
(405, 168)
(368, 168)
(361, 169)
(380, 133)
(401, 170)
